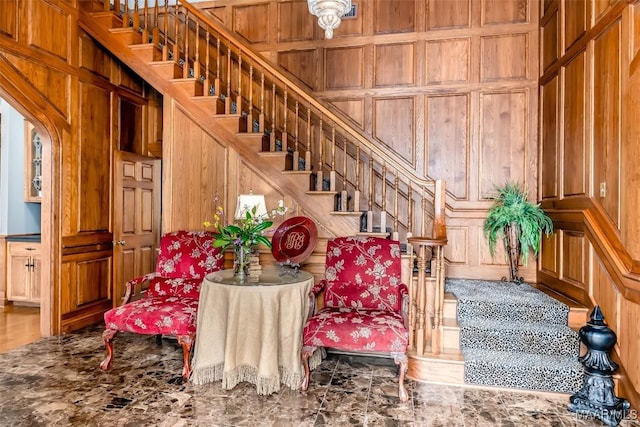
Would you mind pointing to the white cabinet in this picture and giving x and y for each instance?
(23, 272)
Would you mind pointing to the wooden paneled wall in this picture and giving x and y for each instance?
(449, 86)
(72, 90)
(589, 172)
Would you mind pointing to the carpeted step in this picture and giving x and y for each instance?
(522, 370)
(535, 338)
(505, 301)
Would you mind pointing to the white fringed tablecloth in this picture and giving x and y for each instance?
(252, 330)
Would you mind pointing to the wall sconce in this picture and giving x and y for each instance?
(246, 202)
(329, 13)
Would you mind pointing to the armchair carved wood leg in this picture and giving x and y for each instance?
(305, 355)
(107, 337)
(186, 341)
(402, 361)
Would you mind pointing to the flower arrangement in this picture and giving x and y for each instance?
(243, 236)
(248, 232)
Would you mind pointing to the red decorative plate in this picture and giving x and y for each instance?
(294, 240)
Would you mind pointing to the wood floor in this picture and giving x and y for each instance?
(18, 326)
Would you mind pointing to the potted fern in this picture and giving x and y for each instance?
(519, 223)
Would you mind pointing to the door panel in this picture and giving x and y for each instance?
(136, 233)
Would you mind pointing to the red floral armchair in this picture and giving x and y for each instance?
(170, 304)
(365, 304)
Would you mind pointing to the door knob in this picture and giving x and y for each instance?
(120, 242)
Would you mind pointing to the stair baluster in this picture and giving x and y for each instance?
(344, 201)
(395, 235)
(165, 32)
(296, 153)
(332, 172)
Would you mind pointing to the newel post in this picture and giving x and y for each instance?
(596, 398)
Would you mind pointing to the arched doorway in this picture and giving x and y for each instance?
(48, 222)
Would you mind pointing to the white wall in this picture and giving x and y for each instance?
(16, 216)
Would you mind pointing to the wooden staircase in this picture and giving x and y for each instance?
(231, 119)
(214, 114)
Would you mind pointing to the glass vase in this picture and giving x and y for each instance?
(241, 261)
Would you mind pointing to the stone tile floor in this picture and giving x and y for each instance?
(57, 382)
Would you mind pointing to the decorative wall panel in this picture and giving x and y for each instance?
(635, 25)
(549, 255)
(302, 64)
(448, 14)
(485, 258)
(350, 26)
(128, 80)
(457, 252)
(550, 42)
(447, 139)
(344, 68)
(630, 345)
(502, 12)
(200, 163)
(8, 18)
(607, 94)
(497, 53)
(393, 17)
(218, 13)
(93, 58)
(394, 65)
(56, 21)
(94, 162)
(54, 84)
(448, 61)
(573, 261)
(87, 272)
(352, 108)
(503, 136)
(549, 144)
(575, 21)
(575, 112)
(393, 126)
(599, 7)
(294, 29)
(605, 292)
(251, 22)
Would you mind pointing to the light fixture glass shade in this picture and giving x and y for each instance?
(246, 202)
(329, 13)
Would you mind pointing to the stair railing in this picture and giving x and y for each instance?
(340, 158)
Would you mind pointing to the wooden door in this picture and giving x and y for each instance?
(136, 225)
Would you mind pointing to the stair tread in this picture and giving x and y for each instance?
(346, 213)
(297, 172)
(314, 192)
(250, 135)
(573, 305)
(515, 358)
(517, 326)
(272, 153)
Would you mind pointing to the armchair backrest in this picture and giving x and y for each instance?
(363, 273)
(188, 255)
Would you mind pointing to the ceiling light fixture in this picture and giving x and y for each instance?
(329, 13)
